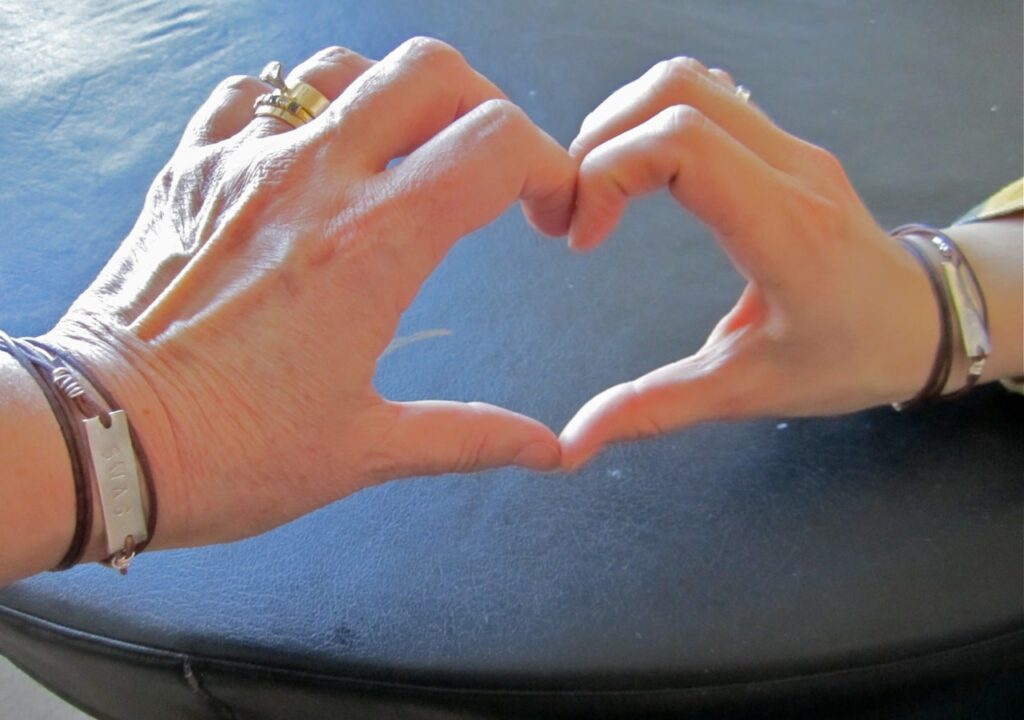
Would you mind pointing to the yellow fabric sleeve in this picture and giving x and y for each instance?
(1007, 201)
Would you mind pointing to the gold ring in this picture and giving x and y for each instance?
(311, 99)
(294, 102)
(743, 93)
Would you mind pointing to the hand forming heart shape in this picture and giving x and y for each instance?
(266, 253)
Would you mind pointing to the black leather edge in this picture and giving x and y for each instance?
(112, 680)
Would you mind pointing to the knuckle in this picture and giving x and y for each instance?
(502, 113)
(683, 122)
(687, 65)
(239, 84)
(333, 54)
(430, 53)
(723, 75)
(679, 74)
(342, 59)
(824, 164)
(823, 159)
(500, 121)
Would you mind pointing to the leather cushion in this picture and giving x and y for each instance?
(756, 564)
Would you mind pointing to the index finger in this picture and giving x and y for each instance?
(470, 172)
(685, 81)
(718, 179)
(403, 101)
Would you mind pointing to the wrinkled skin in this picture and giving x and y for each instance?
(241, 321)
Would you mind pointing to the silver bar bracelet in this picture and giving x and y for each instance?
(117, 476)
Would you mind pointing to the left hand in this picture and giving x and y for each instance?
(836, 316)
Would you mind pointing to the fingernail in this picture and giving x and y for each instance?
(573, 241)
(539, 456)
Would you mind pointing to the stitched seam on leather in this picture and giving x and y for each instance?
(98, 643)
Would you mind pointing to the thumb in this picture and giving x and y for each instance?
(435, 437)
(711, 385)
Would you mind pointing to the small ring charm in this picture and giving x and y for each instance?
(295, 103)
(743, 93)
(273, 74)
(278, 105)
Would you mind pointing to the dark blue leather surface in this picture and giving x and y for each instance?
(728, 553)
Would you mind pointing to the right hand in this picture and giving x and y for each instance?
(241, 321)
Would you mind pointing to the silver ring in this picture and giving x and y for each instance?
(743, 93)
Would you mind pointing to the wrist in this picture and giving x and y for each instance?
(125, 369)
(37, 496)
(967, 265)
(906, 325)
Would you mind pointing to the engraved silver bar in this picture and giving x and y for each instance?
(968, 312)
(113, 462)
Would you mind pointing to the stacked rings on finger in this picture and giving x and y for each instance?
(295, 103)
(743, 93)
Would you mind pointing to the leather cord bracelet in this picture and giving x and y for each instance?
(939, 374)
(961, 304)
(136, 444)
(103, 449)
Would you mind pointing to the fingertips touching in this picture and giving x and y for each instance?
(599, 422)
(642, 159)
(718, 382)
(549, 205)
(599, 203)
